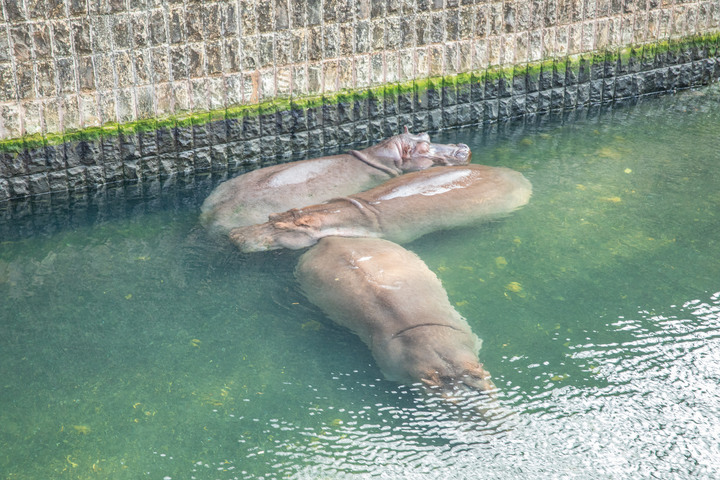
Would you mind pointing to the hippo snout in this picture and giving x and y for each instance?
(251, 239)
(462, 153)
(450, 154)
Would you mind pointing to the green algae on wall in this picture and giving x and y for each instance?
(701, 46)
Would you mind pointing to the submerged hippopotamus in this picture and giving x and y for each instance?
(398, 307)
(249, 198)
(402, 209)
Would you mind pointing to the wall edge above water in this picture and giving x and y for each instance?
(242, 137)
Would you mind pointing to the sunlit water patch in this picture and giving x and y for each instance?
(133, 347)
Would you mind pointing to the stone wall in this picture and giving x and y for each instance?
(101, 91)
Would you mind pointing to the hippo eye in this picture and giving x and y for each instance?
(421, 147)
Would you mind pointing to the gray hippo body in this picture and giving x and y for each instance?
(250, 198)
(397, 306)
(401, 209)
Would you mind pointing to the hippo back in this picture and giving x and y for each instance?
(394, 303)
(445, 197)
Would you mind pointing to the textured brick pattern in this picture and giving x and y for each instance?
(155, 86)
(71, 64)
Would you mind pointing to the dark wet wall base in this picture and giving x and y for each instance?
(30, 214)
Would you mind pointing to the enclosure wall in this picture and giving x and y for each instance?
(101, 91)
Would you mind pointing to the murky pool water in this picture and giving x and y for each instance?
(131, 348)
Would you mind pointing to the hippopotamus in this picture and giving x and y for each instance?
(402, 209)
(249, 198)
(390, 298)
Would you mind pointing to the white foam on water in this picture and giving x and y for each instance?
(431, 186)
(299, 173)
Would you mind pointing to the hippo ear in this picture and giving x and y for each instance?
(432, 380)
(307, 221)
(283, 225)
(406, 129)
(476, 370)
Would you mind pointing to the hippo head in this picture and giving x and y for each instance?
(294, 229)
(408, 153)
(294, 232)
(442, 357)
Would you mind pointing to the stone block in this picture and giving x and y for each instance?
(36, 160)
(557, 98)
(435, 120)
(329, 137)
(448, 96)
(184, 162)
(299, 141)
(251, 127)
(376, 129)
(464, 114)
(583, 95)
(532, 102)
(5, 194)
(623, 86)
(131, 170)
(114, 171)
(313, 118)
(164, 140)
(477, 113)
(477, 90)
(608, 89)
(234, 152)
(505, 108)
(234, 129)
(406, 102)
(129, 146)
(283, 145)
(202, 159)
(285, 122)
(76, 178)
(149, 167)
(345, 134)
(268, 125)
(95, 175)
(376, 106)
(13, 164)
(167, 164)
(298, 120)
(390, 103)
(449, 117)
(57, 181)
(361, 133)
(420, 122)
(183, 136)
(391, 126)
(19, 186)
(544, 100)
(345, 112)
(217, 132)
(330, 115)
(570, 99)
(253, 149)
(38, 183)
(82, 153)
(110, 145)
(596, 91)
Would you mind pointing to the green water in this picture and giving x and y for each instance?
(132, 348)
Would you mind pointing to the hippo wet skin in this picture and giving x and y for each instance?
(401, 209)
(398, 307)
(249, 198)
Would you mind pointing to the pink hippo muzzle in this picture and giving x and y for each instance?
(425, 154)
